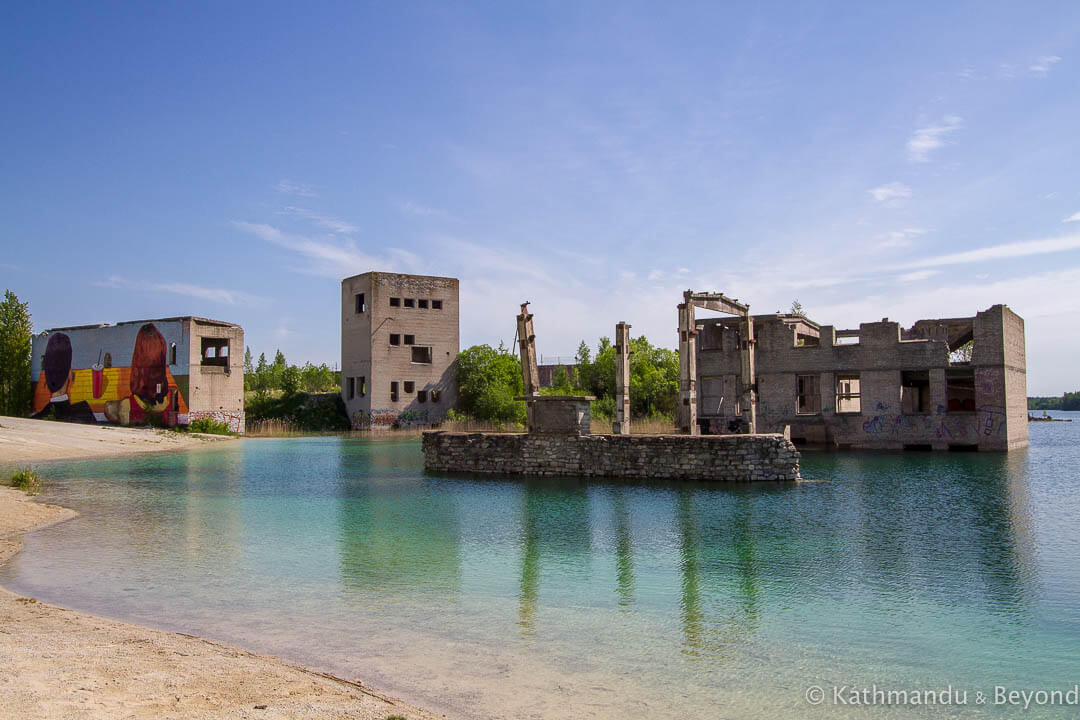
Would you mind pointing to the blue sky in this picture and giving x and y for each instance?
(236, 161)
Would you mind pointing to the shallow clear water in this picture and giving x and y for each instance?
(521, 598)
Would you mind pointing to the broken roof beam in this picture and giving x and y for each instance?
(718, 302)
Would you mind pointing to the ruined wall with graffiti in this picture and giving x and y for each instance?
(391, 418)
(233, 420)
(126, 374)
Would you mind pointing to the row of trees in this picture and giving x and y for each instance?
(1068, 401)
(262, 376)
(490, 378)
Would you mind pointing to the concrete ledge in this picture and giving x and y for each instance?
(720, 458)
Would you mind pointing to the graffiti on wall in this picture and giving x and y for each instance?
(141, 392)
(388, 418)
(234, 420)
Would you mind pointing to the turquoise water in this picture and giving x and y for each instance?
(520, 598)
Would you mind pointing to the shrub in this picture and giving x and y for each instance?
(27, 480)
(209, 426)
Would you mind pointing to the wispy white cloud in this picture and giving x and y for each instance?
(221, 295)
(917, 275)
(331, 257)
(899, 238)
(1042, 65)
(289, 187)
(930, 138)
(1000, 252)
(890, 193)
(1075, 217)
(327, 222)
(409, 207)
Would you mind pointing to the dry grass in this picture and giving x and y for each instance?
(272, 427)
(471, 425)
(600, 425)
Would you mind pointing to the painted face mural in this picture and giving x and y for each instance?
(148, 369)
(78, 380)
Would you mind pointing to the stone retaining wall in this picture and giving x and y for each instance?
(724, 458)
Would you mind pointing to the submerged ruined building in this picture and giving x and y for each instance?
(880, 386)
(399, 345)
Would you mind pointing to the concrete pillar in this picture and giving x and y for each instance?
(621, 426)
(527, 346)
(749, 376)
(687, 410)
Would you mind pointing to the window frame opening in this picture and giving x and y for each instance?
(960, 390)
(395, 302)
(423, 352)
(421, 396)
(395, 338)
(393, 391)
(410, 387)
(808, 394)
(436, 304)
(361, 305)
(410, 302)
(915, 392)
(409, 340)
(422, 303)
(848, 394)
(435, 394)
(351, 388)
(214, 352)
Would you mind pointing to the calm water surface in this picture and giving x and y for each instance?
(519, 598)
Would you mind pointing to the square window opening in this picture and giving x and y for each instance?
(848, 394)
(395, 339)
(421, 396)
(421, 354)
(410, 302)
(960, 389)
(215, 352)
(915, 391)
(410, 339)
(436, 304)
(409, 386)
(423, 304)
(395, 302)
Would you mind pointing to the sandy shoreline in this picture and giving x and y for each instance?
(27, 441)
(59, 663)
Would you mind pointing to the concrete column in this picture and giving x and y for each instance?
(687, 410)
(527, 346)
(621, 426)
(749, 376)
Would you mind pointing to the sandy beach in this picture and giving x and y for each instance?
(59, 663)
(26, 441)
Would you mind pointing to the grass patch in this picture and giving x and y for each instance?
(27, 480)
(209, 426)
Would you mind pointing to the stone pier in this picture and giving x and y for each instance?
(710, 458)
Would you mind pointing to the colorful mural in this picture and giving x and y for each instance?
(143, 392)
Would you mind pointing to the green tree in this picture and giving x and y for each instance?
(249, 368)
(16, 331)
(488, 381)
(290, 380)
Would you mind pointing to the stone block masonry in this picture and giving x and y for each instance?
(720, 458)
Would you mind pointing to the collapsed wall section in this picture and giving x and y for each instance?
(720, 458)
